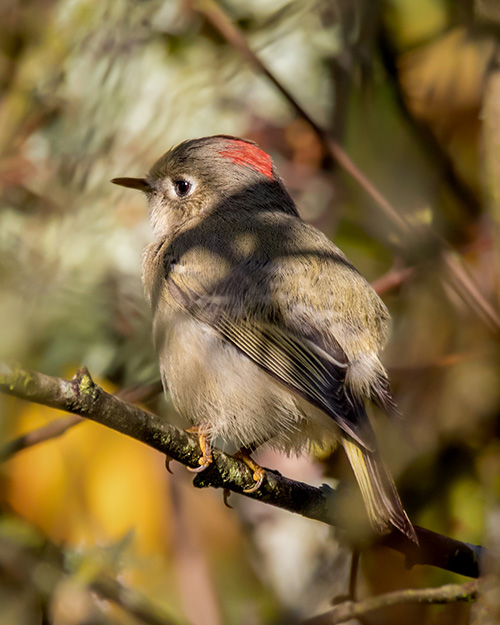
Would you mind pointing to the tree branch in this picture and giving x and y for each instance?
(54, 429)
(45, 433)
(216, 16)
(83, 397)
(393, 279)
(348, 610)
(23, 563)
(456, 274)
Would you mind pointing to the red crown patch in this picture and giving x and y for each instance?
(250, 155)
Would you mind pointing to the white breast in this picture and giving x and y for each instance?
(215, 386)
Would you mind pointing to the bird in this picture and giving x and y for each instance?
(265, 333)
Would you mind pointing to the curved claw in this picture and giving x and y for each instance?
(204, 466)
(226, 493)
(204, 443)
(258, 476)
(258, 472)
(168, 460)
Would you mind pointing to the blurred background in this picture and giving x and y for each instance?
(92, 90)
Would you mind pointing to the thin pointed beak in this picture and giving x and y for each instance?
(141, 184)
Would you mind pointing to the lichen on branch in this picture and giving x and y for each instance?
(81, 396)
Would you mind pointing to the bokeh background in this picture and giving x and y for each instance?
(91, 90)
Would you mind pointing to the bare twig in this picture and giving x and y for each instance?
(130, 600)
(469, 292)
(22, 563)
(438, 157)
(464, 285)
(81, 396)
(214, 14)
(54, 429)
(348, 610)
(392, 279)
(39, 435)
(353, 574)
(140, 393)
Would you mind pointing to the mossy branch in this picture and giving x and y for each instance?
(81, 396)
(450, 593)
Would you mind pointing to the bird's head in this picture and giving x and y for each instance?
(200, 176)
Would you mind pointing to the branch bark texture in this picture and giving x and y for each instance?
(81, 396)
(348, 610)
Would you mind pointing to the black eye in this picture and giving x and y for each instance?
(182, 187)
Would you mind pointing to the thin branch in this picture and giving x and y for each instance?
(393, 279)
(23, 564)
(130, 600)
(464, 285)
(83, 397)
(462, 282)
(353, 574)
(214, 14)
(138, 393)
(451, 593)
(54, 429)
(421, 130)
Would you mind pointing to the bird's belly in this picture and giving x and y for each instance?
(215, 386)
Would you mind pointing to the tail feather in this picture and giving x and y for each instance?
(378, 490)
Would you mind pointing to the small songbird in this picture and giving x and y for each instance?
(265, 332)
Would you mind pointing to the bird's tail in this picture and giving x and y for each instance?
(378, 490)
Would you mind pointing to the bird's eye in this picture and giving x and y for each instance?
(182, 187)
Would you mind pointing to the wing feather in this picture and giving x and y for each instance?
(289, 359)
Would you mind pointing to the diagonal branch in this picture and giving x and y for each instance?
(54, 429)
(47, 432)
(214, 14)
(23, 563)
(456, 274)
(83, 397)
(450, 593)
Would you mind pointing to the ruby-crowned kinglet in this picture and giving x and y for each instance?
(265, 332)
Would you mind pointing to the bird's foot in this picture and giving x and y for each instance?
(206, 451)
(258, 472)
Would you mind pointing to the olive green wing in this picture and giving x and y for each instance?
(298, 363)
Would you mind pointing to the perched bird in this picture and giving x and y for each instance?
(265, 332)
